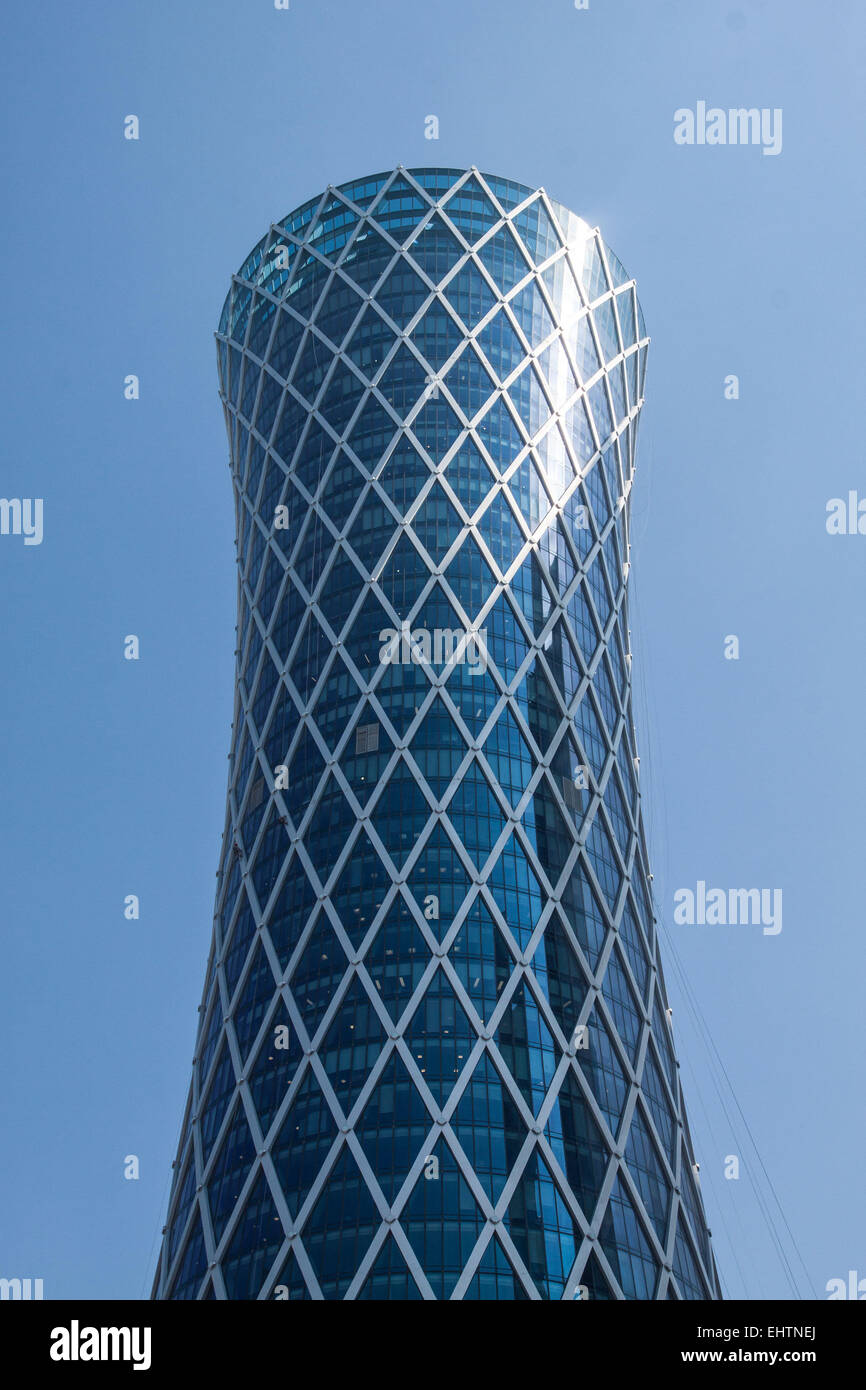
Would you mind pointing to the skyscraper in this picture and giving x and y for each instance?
(434, 1057)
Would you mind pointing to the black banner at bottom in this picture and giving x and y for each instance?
(66, 1337)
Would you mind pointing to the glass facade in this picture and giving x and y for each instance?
(434, 1057)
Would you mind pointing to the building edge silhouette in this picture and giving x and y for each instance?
(434, 1054)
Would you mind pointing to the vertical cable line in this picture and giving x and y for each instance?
(720, 1207)
(704, 1033)
(713, 1053)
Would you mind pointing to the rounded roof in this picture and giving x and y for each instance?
(325, 224)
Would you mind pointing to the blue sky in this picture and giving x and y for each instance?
(118, 257)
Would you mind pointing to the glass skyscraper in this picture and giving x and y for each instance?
(434, 1056)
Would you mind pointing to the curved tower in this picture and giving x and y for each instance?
(433, 1057)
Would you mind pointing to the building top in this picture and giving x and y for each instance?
(399, 203)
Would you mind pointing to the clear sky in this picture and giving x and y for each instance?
(117, 258)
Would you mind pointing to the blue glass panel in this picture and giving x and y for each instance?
(442, 1221)
(489, 1127)
(543, 1230)
(393, 1127)
(627, 1248)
